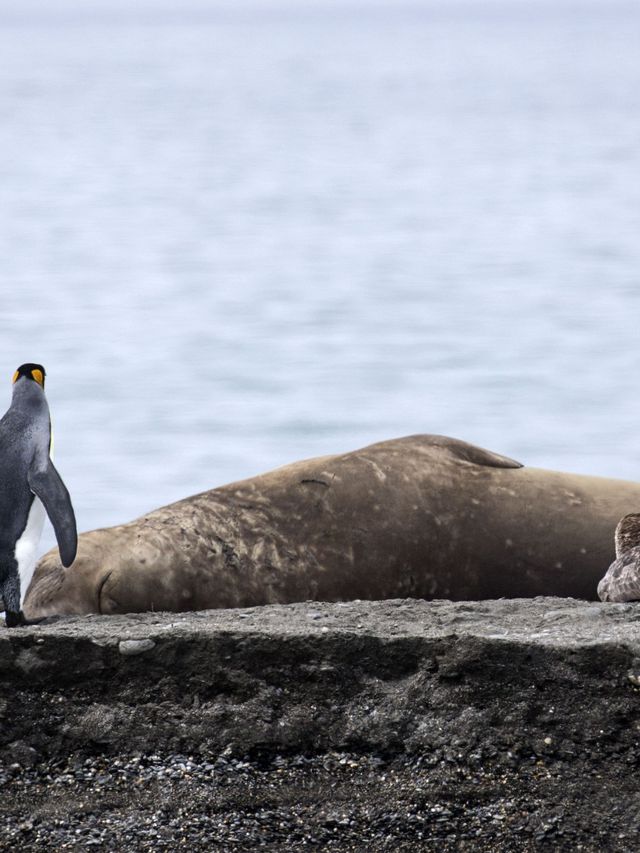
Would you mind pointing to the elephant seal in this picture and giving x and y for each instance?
(423, 516)
(622, 580)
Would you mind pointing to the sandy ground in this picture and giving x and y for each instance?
(398, 725)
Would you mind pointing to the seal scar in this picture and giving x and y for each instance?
(313, 480)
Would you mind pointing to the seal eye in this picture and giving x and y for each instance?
(37, 375)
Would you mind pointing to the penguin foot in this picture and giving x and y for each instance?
(19, 620)
(13, 619)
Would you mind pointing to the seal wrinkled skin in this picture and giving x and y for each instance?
(422, 516)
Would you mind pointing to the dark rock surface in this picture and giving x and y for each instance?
(397, 725)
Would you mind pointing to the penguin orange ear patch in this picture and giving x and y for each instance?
(37, 375)
(16, 376)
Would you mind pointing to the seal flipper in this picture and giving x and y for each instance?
(480, 456)
(48, 486)
(476, 455)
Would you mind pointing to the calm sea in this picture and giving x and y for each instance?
(241, 234)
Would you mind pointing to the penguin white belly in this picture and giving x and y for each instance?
(27, 545)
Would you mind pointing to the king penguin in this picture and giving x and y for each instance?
(29, 485)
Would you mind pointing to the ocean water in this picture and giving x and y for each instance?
(239, 235)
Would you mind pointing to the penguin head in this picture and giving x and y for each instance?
(35, 372)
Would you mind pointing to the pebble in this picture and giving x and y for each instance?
(338, 801)
(128, 648)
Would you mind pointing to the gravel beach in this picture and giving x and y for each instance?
(401, 725)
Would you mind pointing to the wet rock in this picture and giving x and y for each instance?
(22, 754)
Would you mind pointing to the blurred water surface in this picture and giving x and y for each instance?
(241, 235)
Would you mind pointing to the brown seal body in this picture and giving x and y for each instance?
(423, 516)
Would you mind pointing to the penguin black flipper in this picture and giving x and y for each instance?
(48, 486)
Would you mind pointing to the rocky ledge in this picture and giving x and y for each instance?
(395, 725)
